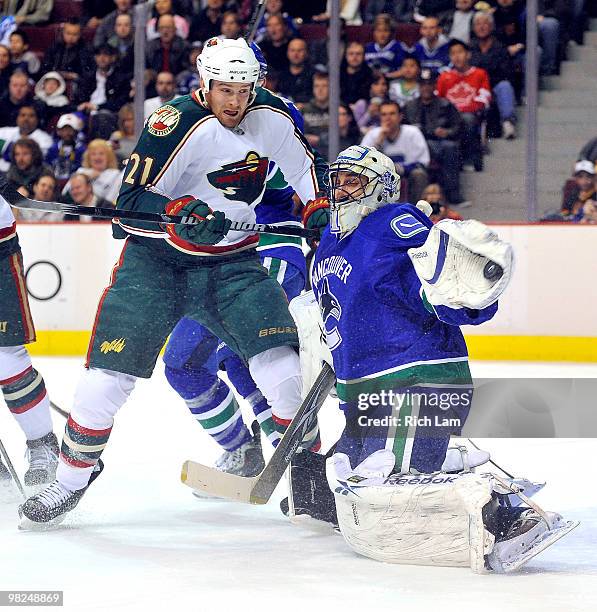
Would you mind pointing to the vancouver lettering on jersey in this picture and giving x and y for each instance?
(335, 265)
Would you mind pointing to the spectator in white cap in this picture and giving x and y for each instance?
(27, 127)
(66, 154)
(579, 202)
(583, 192)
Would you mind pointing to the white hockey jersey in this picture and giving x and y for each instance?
(184, 150)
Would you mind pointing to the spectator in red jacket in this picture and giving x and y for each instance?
(468, 89)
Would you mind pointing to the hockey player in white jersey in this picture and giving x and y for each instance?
(22, 385)
(208, 155)
(392, 290)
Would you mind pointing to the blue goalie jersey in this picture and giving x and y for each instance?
(376, 317)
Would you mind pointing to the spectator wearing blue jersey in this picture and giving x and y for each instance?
(432, 48)
(385, 54)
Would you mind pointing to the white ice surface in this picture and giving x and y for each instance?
(140, 541)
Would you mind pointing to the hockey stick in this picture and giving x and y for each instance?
(62, 413)
(17, 200)
(255, 20)
(258, 489)
(12, 470)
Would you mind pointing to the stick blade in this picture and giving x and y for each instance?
(216, 483)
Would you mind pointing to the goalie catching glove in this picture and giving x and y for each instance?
(213, 225)
(463, 264)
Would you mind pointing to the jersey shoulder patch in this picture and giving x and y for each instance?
(398, 225)
(405, 226)
(178, 115)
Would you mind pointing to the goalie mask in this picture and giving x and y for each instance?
(229, 61)
(361, 180)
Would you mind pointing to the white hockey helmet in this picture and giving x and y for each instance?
(229, 61)
(375, 183)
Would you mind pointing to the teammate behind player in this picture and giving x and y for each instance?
(22, 385)
(214, 146)
(393, 290)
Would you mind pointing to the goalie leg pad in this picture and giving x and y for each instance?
(427, 519)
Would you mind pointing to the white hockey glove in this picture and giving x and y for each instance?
(463, 264)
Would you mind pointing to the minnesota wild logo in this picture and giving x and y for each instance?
(163, 121)
(242, 181)
(113, 345)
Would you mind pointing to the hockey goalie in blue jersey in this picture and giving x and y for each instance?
(392, 290)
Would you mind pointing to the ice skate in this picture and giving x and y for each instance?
(49, 507)
(246, 461)
(42, 457)
(531, 533)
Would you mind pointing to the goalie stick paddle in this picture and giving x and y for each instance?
(14, 198)
(258, 489)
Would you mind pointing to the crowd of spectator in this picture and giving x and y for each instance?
(67, 119)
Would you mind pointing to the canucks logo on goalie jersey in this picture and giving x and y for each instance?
(331, 311)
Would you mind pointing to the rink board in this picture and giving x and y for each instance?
(545, 314)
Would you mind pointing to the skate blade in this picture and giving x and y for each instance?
(550, 537)
(26, 524)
